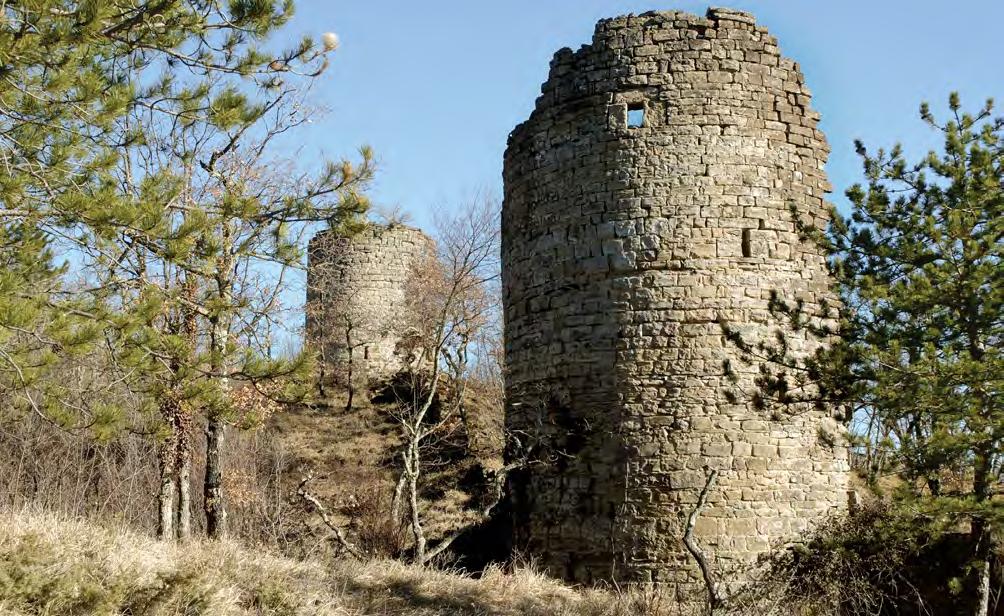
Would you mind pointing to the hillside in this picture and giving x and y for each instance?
(351, 457)
(59, 566)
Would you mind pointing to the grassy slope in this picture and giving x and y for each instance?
(52, 565)
(350, 454)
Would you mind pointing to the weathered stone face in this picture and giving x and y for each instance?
(356, 296)
(623, 247)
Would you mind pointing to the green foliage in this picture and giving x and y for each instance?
(33, 333)
(919, 264)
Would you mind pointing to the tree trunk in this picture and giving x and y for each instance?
(395, 507)
(352, 390)
(165, 497)
(321, 375)
(169, 407)
(184, 528)
(213, 487)
(183, 421)
(715, 600)
(983, 589)
(411, 468)
(351, 376)
(983, 475)
(982, 533)
(219, 334)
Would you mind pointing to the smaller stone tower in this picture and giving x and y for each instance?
(356, 296)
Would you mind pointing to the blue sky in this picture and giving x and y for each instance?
(435, 86)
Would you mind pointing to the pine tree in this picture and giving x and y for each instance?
(57, 105)
(119, 124)
(210, 220)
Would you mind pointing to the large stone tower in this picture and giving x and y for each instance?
(356, 297)
(647, 199)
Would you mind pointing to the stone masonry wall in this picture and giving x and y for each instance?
(356, 290)
(623, 249)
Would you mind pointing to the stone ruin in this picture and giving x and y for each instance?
(356, 297)
(648, 199)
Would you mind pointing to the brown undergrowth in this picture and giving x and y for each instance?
(56, 565)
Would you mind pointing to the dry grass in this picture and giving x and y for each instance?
(55, 565)
(351, 454)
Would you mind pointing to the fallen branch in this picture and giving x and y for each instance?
(339, 535)
(714, 598)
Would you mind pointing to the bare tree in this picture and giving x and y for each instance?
(452, 382)
(450, 304)
(303, 492)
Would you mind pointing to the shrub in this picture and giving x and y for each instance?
(880, 559)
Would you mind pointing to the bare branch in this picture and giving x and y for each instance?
(715, 600)
(323, 512)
